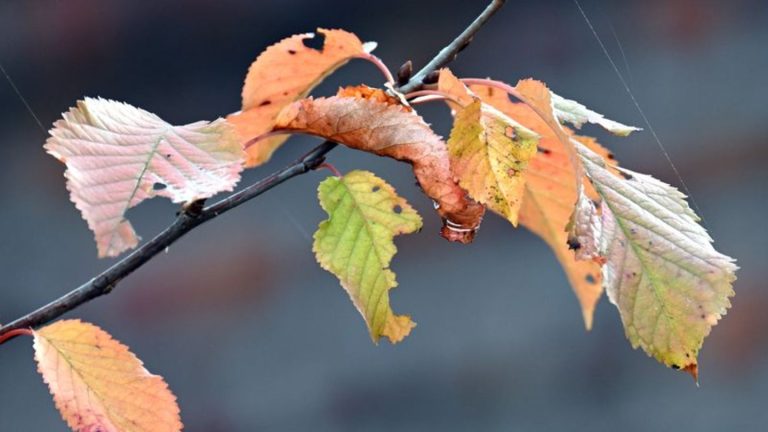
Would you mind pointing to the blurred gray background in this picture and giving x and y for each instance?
(252, 335)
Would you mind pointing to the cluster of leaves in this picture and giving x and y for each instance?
(611, 229)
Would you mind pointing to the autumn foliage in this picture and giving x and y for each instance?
(513, 150)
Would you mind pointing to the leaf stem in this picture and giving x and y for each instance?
(187, 220)
(381, 66)
(264, 136)
(496, 84)
(330, 168)
(15, 332)
(434, 95)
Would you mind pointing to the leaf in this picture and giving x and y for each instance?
(356, 244)
(584, 230)
(550, 197)
(283, 73)
(489, 153)
(118, 155)
(570, 111)
(449, 84)
(670, 285)
(389, 129)
(98, 384)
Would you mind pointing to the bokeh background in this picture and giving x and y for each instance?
(252, 335)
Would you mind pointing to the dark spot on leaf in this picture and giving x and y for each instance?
(316, 43)
(291, 51)
(625, 175)
(611, 156)
(266, 102)
(376, 189)
(590, 279)
(573, 244)
(703, 316)
(168, 156)
(158, 186)
(397, 209)
(543, 150)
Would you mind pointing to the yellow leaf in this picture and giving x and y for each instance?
(283, 73)
(489, 153)
(356, 244)
(99, 385)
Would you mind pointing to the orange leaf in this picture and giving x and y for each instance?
(98, 384)
(551, 193)
(283, 73)
(452, 86)
(393, 131)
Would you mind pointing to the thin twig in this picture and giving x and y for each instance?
(193, 216)
(449, 53)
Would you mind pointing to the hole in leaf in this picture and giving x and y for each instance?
(316, 43)
(158, 186)
(397, 209)
(591, 279)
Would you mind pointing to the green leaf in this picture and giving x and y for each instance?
(489, 152)
(356, 244)
(670, 285)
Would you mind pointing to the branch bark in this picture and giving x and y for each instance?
(196, 214)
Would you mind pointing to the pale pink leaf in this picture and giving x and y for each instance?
(118, 155)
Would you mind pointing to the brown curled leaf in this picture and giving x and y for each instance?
(393, 131)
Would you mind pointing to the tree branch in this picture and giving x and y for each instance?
(195, 214)
(449, 53)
